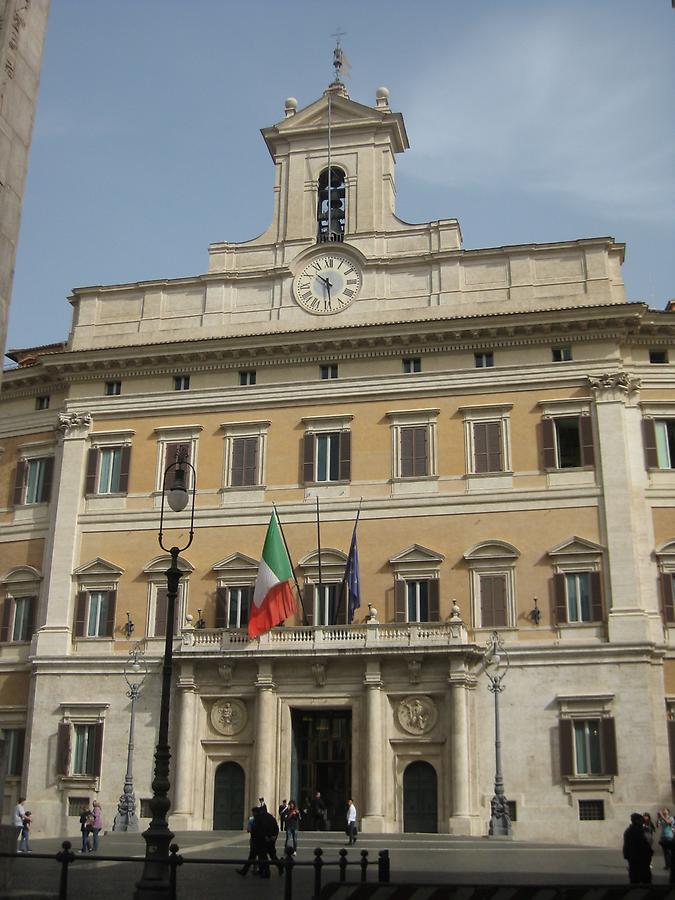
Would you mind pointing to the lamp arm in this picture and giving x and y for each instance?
(175, 465)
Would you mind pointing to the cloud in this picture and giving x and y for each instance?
(576, 107)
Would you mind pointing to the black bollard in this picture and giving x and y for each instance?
(383, 866)
(318, 863)
(343, 865)
(364, 864)
(174, 862)
(288, 874)
(65, 857)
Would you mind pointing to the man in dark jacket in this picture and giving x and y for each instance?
(265, 834)
(637, 851)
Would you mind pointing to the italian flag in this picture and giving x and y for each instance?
(273, 599)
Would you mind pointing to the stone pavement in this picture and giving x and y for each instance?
(419, 859)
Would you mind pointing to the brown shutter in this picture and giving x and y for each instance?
(560, 598)
(434, 593)
(47, 480)
(400, 597)
(492, 601)
(221, 607)
(30, 623)
(308, 458)
(110, 618)
(487, 447)
(125, 464)
(566, 747)
(161, 610)
(251, 460)
(63, 749)
(6, 617)
(649, 441)
(667, 597)
(170, 452)
(499, 599)
(494, 447)
(608, 738)
(480, 453)
(595, 582)
(90, 485)
(421, 451)
(407, 463)
(237, 469)
(80, 613)
(586, 440)
(19, 483)
(345, 455)
(98, 748)
(308, 601)
(547, 432)
(671, 746)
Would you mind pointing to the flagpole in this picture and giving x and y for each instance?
(318, 542)
(295, 577)
(344, 577)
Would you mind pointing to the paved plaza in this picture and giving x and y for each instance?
(419, 859)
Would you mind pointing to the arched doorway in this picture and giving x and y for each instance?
(420, 798)
(228, 797)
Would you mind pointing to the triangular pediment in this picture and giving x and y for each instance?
(416, 553)
(99, 566)
(236, 562)
(576, 546)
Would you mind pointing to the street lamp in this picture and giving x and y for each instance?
(135, 670)
(496, 665)
(154, 882)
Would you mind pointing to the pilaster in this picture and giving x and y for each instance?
(372, 819)
(265, 735)
(184, 765)
(461, 819)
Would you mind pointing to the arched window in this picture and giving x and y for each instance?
(331, 206)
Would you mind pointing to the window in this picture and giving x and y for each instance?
(232, 605)
(327, 456)
(77, 804)
(493, 611)
(587, 737)
(659, 443)
(95, 614)
(578, 597)
(79, 746)
(412, 365)
(85, 749)
(493, 589)
(245, 444)
(484, 359)
(42, 402)
(413, 443)
(161, 608)
(15, 739)
(108, 469)
(667, 604)
(487, 447)
(561, 354)
(414, 451)
(325, 602)
(329, 371)
(416, 600)
(33, 482)
(591, 810)
(181, 382)
(18, 619)
(158, 598)
(113, 388)
(244, 461)
(486, 435)
(331, 212)
(172, 441)
(567, 442)
(247, 376)
(658, 357)
(587, 750)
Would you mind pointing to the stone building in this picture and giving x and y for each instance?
(503, 417)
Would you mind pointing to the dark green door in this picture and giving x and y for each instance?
(321, 761)
(228, 797)
(420, 798)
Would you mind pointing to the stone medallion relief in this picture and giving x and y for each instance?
(228, 717)
(417, 714)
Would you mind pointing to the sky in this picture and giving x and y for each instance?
(530, 121)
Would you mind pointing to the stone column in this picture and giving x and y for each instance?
(62, 545)
(372, 819)
(186, 744)
(628, 528)
(265, 735)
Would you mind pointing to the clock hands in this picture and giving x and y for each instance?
(327, 283)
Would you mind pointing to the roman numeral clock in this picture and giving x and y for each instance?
(327, 284)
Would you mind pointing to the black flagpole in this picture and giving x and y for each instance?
(318, 541)
(343, 585)
(295, 577)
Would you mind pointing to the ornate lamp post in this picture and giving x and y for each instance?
(496, 665)
(135, 670)
(154, 882)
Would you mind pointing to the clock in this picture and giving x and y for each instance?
(327, 284)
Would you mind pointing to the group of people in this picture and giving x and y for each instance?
(263, 830)
(638, 843)
(91, 823)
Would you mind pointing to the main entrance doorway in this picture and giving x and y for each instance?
(420, 798)
(322, 761)
(228, 797)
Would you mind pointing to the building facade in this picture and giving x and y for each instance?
(503, 418)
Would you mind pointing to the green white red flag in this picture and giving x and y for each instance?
(273, 599)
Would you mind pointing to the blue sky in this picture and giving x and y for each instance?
(529, 121)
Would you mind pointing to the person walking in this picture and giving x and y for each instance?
(266, 832)
(86, 820)
(664, 821)
(19, 813)
(292, 826)
(351, 822)
(24, 843)
(283, 809)
(252, 855)
(319, 812)
(97, 824)
(637, 852)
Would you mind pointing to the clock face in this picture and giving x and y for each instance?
(327, 284)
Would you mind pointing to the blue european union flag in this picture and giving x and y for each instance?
(352, 579)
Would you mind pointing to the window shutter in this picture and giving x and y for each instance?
(125, 463)
(161, 609)
(80, 613)
(237, 471)
(308, 601)
(48, 479)
(494, 447)
(345, 455)
(547, 432)
(251, 460)
(586, 440)
(596, 597)
(608, 737)
(308, 458)
(90, 485)
(98, 748)
(434, 594)
(420, 463)
(480, 451)
(487, 447)
(667, 597)
(170, 452)
(63, 749)
(649, 441)
(400, 597)
(566, 747)
(407, 465)
(671, 746)
(110, 618)
(32, 611)
(499, 599)
(221, 607)
(6, 616)
(19, 483)
(560, 598)
(492, 601)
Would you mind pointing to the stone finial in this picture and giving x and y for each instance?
(455, 615)
(382, 98)
(371, 618)
(290, 106)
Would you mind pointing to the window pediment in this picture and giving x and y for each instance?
(500, 551)
(21, 577)
(577, 547)
(414, 555)
(98, 567)
(235, 566)
(333, 562)
(160, 564)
